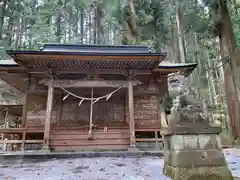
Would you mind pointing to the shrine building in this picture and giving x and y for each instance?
(85, 97)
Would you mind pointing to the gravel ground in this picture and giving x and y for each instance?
(146, 168)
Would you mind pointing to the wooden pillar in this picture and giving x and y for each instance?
(126, 108)
(6, 125)
(131, 114)
(59, 109)
(48, 113)
(24, 111)
(24, 115)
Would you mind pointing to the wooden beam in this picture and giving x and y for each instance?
(38, 91)
(88, 57)
(149, 139)
(89, 71)
(20, 141)
(131, 113)
(89, 83)
(21, 130)
(147, 129)
(48, 114)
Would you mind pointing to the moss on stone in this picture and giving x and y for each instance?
(201, 173)
(227, 139)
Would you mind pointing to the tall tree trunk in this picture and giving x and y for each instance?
(199, 68)
(99, 27)
(222, 83)
(58, 25)
(81, 25)
(2, 15)
(130, 31)
(181, 42)
(18, 31)
(22, 32)
(95, 27)
(9, 32)
(90, 27)
(231, 66)
(76, 27)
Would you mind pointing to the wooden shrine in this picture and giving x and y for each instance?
(88, 97)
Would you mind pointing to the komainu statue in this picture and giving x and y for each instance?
(186, 112)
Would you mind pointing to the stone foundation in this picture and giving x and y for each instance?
(194, 157)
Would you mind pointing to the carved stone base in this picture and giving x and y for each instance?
(190, 127)
(194, 157)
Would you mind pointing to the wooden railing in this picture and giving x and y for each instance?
(156, 136)
(8, 137)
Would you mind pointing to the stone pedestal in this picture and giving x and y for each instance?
(195, 156)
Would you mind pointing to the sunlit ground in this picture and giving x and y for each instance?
(147, 168)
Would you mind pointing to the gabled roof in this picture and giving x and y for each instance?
(79, 58)
(65, 56)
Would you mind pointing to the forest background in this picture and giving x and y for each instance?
(206, 32)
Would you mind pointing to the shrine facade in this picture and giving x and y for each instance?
(87, 97)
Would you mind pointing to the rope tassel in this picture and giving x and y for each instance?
(65, 97)
(80, 102)
(109, 96)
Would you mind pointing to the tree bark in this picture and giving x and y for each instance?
(18, 30)
(10, 31)
(58, 25)
(2, 15)
(181, 43)
(99, 27)
(231, 65)
(82, 25)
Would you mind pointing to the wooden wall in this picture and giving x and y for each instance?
(146, 111)
(105, 113)
(36, 106)
(68, 119)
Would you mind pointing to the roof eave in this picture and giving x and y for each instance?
(12, 53)
(172, 68)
